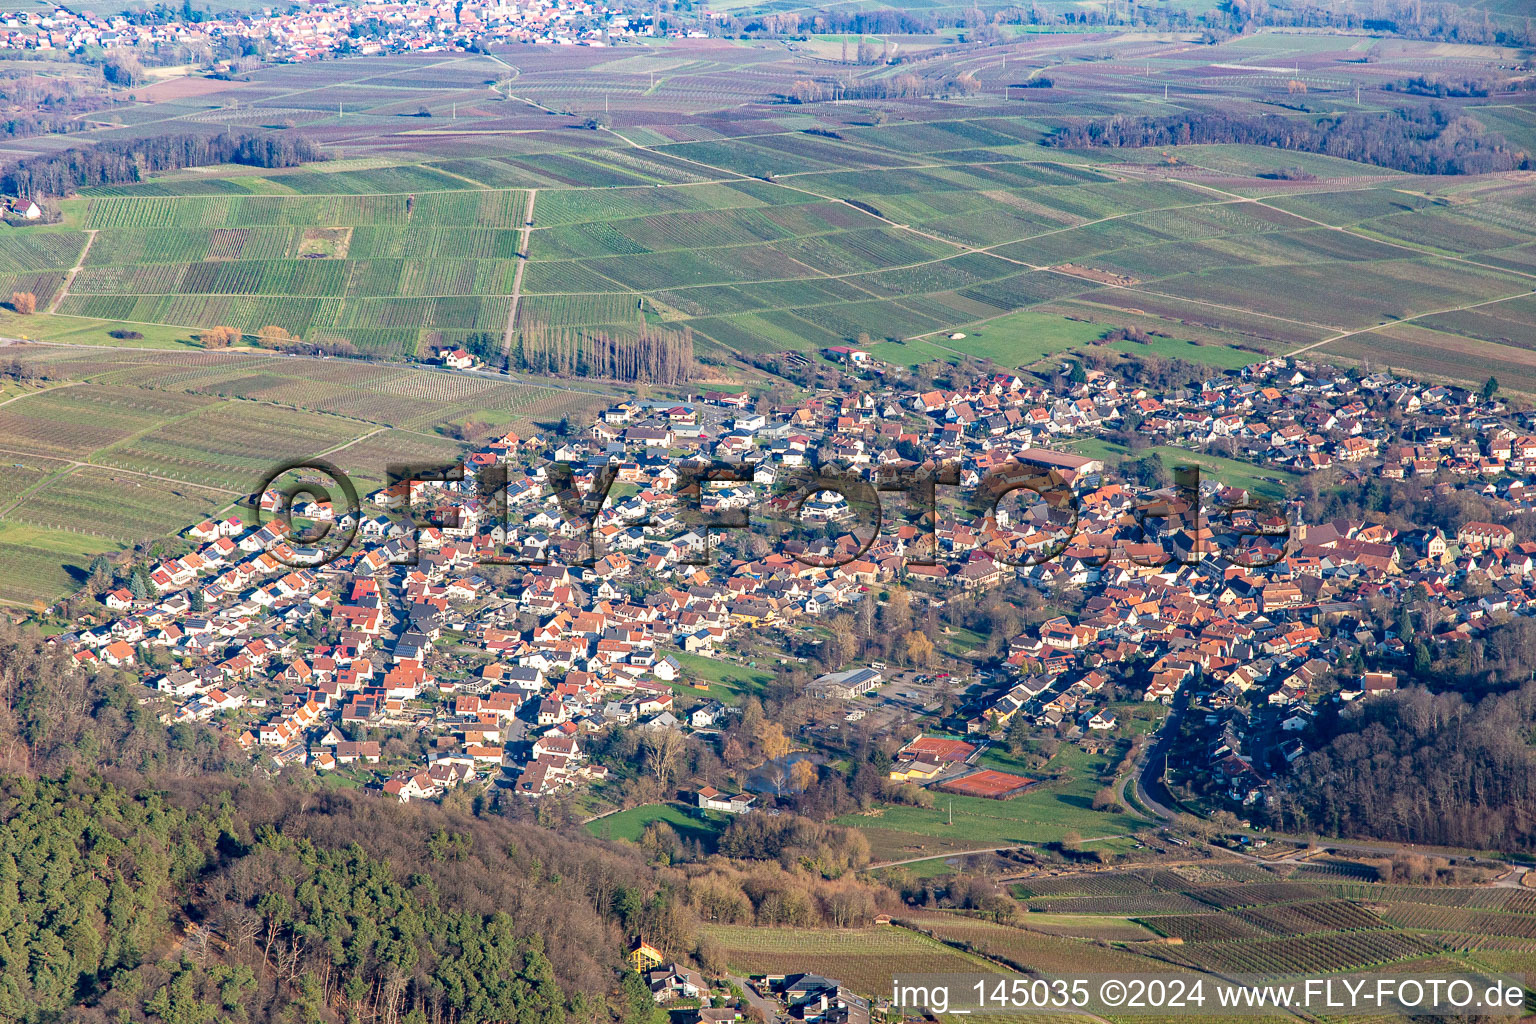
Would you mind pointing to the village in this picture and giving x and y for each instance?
(467, 667)
(318, 31)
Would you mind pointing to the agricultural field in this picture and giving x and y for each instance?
(672, 185)
(104, 504)
(771, 227)
(42, 562)
(1026, 948)
(129, 445)
(865, 959)
(1250, 923)
(1262, 927)
(1214, 917)
(1107, 928)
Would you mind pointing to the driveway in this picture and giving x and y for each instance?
(768, 1008)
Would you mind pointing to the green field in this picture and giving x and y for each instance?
(1022, 339)
(727, 680)
(82, 331)
(1218, 357)
(1263, 480)
(914, 353)
(41, 562)
(1045, 814)
(690, 823)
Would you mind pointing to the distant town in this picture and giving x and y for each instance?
(315, 31)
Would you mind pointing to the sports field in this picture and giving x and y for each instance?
(988, 783)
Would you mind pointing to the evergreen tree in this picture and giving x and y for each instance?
(639, 1006)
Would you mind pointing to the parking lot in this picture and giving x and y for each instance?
(910, 694)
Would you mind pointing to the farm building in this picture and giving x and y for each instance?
(845, 685)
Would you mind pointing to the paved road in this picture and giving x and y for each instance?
(766, 1007)
(1148, 774)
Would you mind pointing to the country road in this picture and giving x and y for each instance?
(69, 278)
(517, 276)
(1407, 320)
(1147, 777)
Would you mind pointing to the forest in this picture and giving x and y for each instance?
(116, 163)
(146, 875)
(1419, 140)
(225, 901)
(1421, 767)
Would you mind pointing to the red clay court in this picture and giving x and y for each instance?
(937, 748)
(988, 783)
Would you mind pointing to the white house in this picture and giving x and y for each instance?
(711, 799)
